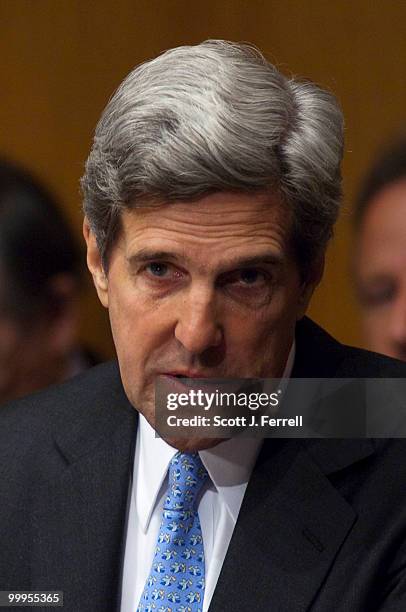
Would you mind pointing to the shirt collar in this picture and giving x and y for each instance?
(151, 462)
(229, 465)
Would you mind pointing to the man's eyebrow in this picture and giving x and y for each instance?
(246, 262)
(147, 255)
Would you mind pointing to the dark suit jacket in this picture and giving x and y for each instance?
(322, 526)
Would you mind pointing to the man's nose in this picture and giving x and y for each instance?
(198, 327)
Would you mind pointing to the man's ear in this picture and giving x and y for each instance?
(94, 263)
(313, 278)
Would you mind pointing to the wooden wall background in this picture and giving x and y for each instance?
(62, 59)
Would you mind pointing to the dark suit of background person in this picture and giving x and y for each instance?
(210, 195)
(322, 525)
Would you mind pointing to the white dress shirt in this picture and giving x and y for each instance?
(229, 465)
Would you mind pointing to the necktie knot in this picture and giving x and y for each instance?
(187, 475)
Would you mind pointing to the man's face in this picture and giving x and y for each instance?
(201, 289)
(381, 271)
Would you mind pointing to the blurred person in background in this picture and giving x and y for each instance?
(380, 252)
(40, 280)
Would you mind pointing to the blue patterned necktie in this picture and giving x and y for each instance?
(176, 580)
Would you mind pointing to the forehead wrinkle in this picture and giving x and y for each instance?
(216, 219)
(177, 232)
(207, 214)
(221, 215)
(270, 236)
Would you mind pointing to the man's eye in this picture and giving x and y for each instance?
(251, 276)
(157, 269)
(250, 285)
(161, 272)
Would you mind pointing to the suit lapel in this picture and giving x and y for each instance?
(78, 521)
(291, 526)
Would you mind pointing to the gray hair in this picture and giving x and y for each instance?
(216, 117)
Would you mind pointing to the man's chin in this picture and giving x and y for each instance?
(184, 444)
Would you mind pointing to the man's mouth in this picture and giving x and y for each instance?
(186, 374)
(188, 379)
